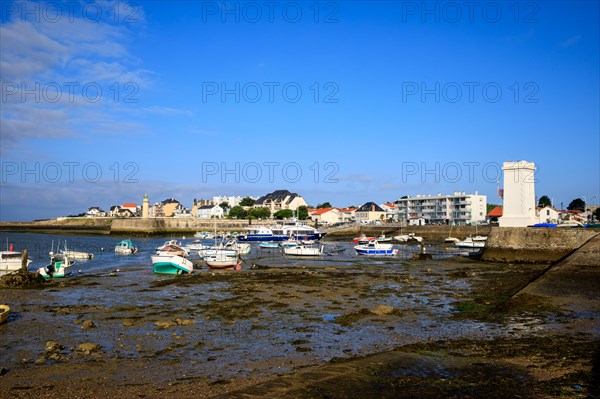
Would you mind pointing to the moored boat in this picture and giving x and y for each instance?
(126, 247)
(165, 263)
(10, 261)
(4, 309)
(470, 243)
(268, 245)
(383, 238)
(59, 267)
(280, 233)
(304, 250)
(223, 260)
(375, 248)
(363, 239)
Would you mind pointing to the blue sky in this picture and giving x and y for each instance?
(345, 102)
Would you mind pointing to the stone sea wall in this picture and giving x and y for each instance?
(533, 245)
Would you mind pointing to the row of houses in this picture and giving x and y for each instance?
(201, 208)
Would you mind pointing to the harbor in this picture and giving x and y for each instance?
(254, 330)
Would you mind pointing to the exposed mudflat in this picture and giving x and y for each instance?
(344, 326)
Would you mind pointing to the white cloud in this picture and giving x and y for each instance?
(43, 57)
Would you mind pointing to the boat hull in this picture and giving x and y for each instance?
(171, 264)
(4, 309)
(390, 251)
(375, 248)
(303, 251)
(279, 237)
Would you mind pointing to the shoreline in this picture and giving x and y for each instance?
(540, 340)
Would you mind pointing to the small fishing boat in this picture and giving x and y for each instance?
(363, 239)
(383, 238)
(10, 261)
(241, 248)
(374, 247)
(126, 247)
(304, 250)
(195, 246)
(167, 244)
(60, 266)
(268, 245)
(165, 263)
(77, 254)
(4, 309)
(470, 243)
(171, 248)
(223, 260)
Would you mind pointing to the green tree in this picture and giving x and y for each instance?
(237, 212)
(324, 205)
(544, 201)
(597, 214)
(247, 201)
(260, 213)
(283, 214)
(576, 205)
(225, 206)
(302, 212)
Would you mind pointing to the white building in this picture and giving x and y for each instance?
(456, 209)
(369, 212)
(518, 195)
(327, 216)
(280, 199)
(231, 200)
(548, 214)
(209, 212)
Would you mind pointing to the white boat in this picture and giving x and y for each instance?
(450, 239)
(60, 266)
(408, 237)
(375, 248)
(268, 245)
(171, 248)
(196, 245)
(223, 260)
(479, 238)
(77, 254)
(166, 263)
(280, 233)
(383, 238)
(10, 261)
(304, 250)
(470, 243)
(167, 244)
(126, 247)
(241, 248)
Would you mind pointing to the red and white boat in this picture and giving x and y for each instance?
(363, 239)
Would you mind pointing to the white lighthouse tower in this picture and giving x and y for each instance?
(519, 194)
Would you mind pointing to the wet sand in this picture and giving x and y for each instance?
(336, 329)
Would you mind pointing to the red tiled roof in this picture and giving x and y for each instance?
(130, 205)
(347, 210)
(495, 213)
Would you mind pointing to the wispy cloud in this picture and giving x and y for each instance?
(61, 74)
(571, 41)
